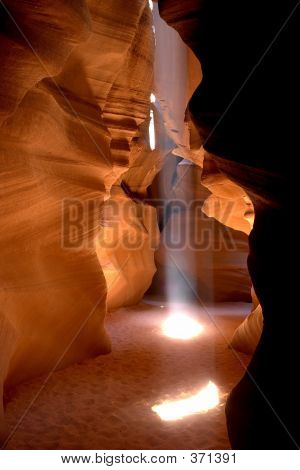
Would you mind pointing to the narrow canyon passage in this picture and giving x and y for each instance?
(145, 234)
(106, 402)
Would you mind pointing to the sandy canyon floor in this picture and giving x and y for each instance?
(106, 402)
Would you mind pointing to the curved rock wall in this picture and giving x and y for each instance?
(244, 111)
(74, 93)
(231, 205)
(74, 145)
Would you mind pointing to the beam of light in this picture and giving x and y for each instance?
(150, 4)
(206, 399)
(152, 131)
(181, 326)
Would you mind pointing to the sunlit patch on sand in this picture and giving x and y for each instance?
(206, 399)
(181, 326)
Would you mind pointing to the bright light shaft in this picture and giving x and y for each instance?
(181, 326)
(206, 399)
(150, 4)
(151, 131)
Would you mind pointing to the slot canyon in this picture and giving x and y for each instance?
(146, 229)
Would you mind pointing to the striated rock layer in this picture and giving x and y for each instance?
(244, 113)
(125, 246)
(74, 93)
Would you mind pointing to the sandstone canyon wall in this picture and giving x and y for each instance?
(74, 93)
(244, 112)
(78, 210)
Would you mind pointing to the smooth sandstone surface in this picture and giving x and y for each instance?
(74, 91)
